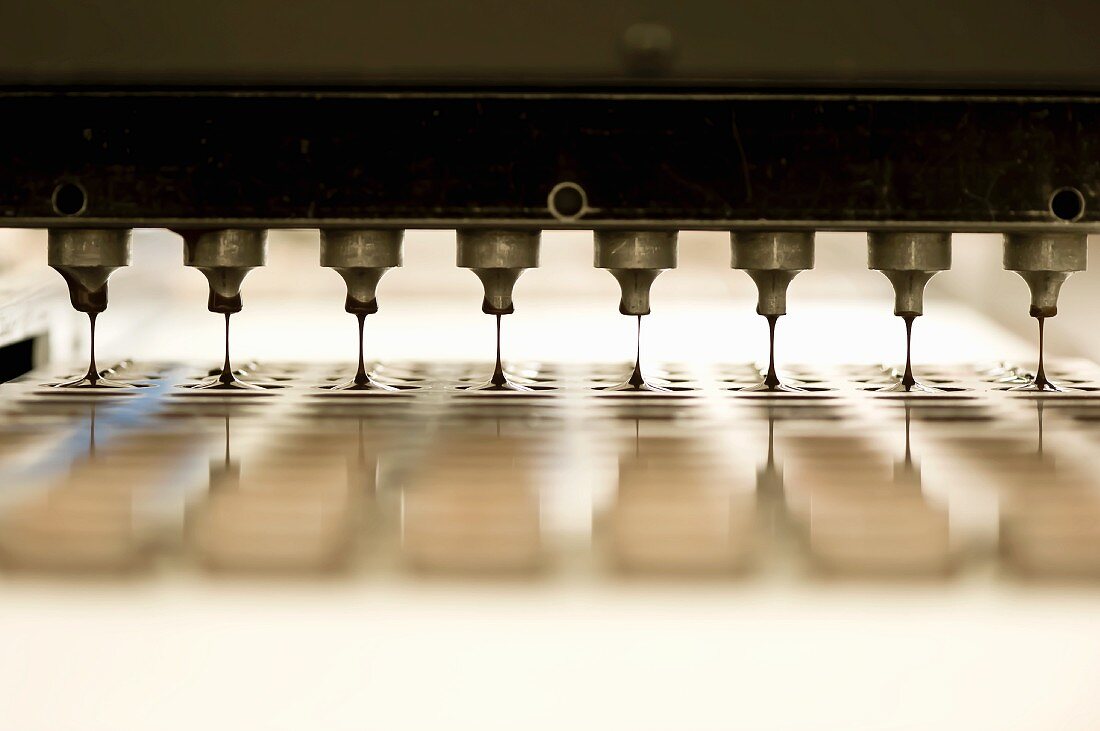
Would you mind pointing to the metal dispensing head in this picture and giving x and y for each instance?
(635, 258)
(908, 260)
(225, 256)
(498, 257)
(361, 257)
(772, 259)
(86, 258)
(1045, 261)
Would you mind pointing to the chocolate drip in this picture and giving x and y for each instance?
(361, 377)
(1041, 381)
(636, 380)
(907, 379)
(226, 379)
(771, 380)
(92, 376)
(499, 379)
(92, 302)
(362, 380)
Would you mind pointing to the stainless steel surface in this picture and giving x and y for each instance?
(361, 257)
(498, 258)
(225, 257)
(772, 259)
(86, 258)
(909, 260)
(1045, 261)
(635, 258)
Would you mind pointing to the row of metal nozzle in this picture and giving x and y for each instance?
(87, 257)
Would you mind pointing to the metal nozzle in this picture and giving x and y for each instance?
(1045, 261)
(635, 258)
(908, 260)
(772, 259)
(361, 257)
(224, 257)
(86, 258)
(498, 258)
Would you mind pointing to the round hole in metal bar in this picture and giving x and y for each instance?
(69, 199)
(1067, 204)
(567, 201)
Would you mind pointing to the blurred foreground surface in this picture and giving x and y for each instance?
(833, 558)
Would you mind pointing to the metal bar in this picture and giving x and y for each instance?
(446, 160)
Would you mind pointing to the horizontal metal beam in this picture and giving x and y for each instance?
(446, 160)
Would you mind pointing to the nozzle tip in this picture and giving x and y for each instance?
(356, 306)
(1043, 312)
(224, 305)
(489, 309)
